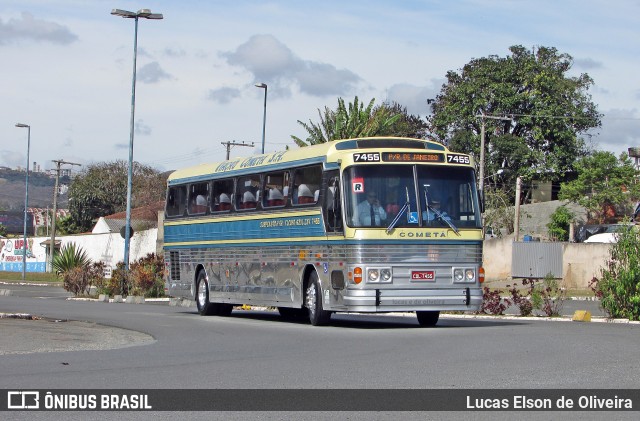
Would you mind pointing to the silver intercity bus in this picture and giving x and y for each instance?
(367, 225)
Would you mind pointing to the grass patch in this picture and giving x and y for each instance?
(39, 277)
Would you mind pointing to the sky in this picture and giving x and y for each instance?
(66, 69)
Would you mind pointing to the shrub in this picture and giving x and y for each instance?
(492, 302)
(146, 276)
(553, 296)
(619, 285)
(78, 279)
(524, 302)
(561, 218)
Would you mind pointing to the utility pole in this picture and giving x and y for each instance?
(482, 130)
(234, 143)
(516, 222)
(52, 246)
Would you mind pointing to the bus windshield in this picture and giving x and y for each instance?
(425, 196)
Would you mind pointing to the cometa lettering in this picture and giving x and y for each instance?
(423, 235)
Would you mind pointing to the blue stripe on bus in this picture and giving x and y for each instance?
(316, 242)
(272, 228)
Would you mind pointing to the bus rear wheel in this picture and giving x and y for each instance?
(313, 301)
(428, 318)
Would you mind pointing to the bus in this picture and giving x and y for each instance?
(368, 225)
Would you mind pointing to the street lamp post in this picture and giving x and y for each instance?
(26, 202)
(146, 14)
(264, 118)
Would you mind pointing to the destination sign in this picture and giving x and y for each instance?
(412, 157)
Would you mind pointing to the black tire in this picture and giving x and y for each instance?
(205, 307)
(428, 318)
(313, 301)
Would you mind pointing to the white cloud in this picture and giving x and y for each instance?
(272, 62)
(142, 129)
(414, 97)
(30, 28)
(620, 130)
(223, 95)
(152, 73)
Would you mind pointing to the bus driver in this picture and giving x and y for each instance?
(370, 213)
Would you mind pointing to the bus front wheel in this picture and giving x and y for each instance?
(428, 318)
(313, 300)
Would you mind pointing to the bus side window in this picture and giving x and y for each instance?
(176, 198)
(306, 181)
(247, 192)
(198, 198)
(275, 194)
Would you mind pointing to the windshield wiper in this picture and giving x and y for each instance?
(438, 214)
(405, 208)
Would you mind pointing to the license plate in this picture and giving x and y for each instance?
(423, 275)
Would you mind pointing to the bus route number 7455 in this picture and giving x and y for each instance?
(458, 159)
(366, 157)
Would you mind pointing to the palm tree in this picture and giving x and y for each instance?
(349, 122)
(69, 258)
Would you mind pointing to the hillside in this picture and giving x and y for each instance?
(12, 190)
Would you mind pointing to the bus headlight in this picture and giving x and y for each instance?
(464, 275)
(379, 275)
(470, 275)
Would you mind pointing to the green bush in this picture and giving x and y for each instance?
(70, 257)
(618, 287)
(561, 218)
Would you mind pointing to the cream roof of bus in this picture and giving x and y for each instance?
(329, 149)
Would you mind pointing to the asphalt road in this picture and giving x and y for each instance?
(157, 346)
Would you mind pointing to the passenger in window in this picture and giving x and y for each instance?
(200, 205)
(225, 202)
(248, 201)
(304, 195)
(275, 198)
(370, 213)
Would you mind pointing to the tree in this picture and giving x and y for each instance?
(356, 120)
(604, 181)
(101, 189)
(549, 112)
(618, 287)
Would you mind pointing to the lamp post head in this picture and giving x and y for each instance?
(261, 85)
(142, 13)
(22, 125)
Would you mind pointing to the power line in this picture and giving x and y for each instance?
(234, 143)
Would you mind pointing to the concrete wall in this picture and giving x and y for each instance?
(580, 261)
(107, 248)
